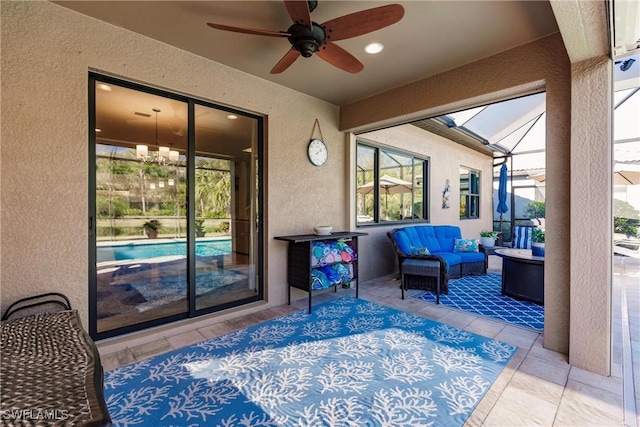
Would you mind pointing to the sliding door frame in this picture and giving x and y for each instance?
(257, 221)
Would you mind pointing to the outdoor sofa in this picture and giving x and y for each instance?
(458, 257)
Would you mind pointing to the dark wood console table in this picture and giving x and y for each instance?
(522, 275)
(299, 259)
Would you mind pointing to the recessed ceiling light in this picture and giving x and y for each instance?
(104, 87)
(374, 48)
(232, 117)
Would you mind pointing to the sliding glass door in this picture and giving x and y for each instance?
(175, 207)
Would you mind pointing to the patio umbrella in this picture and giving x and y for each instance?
(502, 193)
(626, 174)
(623, 174)
(389, 185)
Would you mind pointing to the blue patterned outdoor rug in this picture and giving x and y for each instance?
(482, 295)
(349, 363)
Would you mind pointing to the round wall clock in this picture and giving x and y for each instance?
(317, 152)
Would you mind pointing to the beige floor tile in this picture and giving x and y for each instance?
(183, 340)
(593, 397)
(548, 356)
(433, 312)
(485, 327)
(245, 322)
(117, 359)
(609, 384)
(516, 338)
(543, 389)
(523, 332)
(545, 370)
(516, 407)
(151, 349)
(481, 412)
(574, 413)
(459, 319)
(217, 329)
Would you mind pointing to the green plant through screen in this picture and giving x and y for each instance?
(538, 235)
(535, 210)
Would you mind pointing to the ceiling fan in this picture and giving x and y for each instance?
(308, 37)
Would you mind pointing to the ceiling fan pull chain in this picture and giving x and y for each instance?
(313, 131)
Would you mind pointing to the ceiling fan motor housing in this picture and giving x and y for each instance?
(306, 41)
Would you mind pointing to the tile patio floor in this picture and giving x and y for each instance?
(537, 388)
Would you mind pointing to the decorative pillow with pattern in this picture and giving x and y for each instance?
(419, 251)
(466, 245)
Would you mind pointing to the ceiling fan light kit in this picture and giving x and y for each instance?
(308, 37)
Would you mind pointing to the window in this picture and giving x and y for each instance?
(469, 193)
(389, 185)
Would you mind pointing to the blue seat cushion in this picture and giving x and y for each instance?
(471, 256)
(450, 258)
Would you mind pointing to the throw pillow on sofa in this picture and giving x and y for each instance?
(419, 251)
(466, 245)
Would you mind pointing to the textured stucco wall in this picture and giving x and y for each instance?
(591, 223)
(445, 158)
(47, 51)
(542, 64)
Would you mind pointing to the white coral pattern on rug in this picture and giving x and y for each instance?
(349, 363)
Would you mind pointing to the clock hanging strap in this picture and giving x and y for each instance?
(313, 131)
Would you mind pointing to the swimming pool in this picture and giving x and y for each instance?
(119, 251)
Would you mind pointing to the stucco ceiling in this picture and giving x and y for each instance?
(432, 37)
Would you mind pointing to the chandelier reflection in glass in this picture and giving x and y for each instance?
(164, 155)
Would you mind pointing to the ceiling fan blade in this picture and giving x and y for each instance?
(363, 22)
(299, 11)
(285, 62)
(337, 56)
(249, 30)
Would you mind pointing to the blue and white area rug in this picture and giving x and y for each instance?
(482, 295)
(349, 363)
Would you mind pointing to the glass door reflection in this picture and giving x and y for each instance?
(225, 207)
(140, 204)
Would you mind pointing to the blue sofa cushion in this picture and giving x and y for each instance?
(403, 241)
(471, 256)
(414, 239)
(446, 235)
(428, 238)
(450, 258)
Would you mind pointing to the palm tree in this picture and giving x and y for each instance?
(213, 187)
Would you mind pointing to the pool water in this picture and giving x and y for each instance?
(151, 250)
